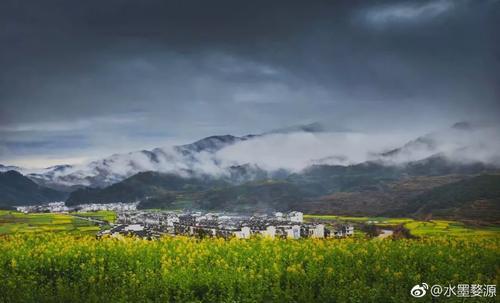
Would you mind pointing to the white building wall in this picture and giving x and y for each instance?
(296, 216)
(270, 232)
(244, 233)
(293, 232)
(349, 231)
(319, 231)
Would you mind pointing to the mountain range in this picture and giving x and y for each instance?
(219, 173)
(290, 149)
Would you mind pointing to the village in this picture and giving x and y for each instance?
(60, 207)
(152, 224)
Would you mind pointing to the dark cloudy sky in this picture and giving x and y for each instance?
(82, 79)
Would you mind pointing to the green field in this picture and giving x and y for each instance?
(15, 222)
(104, 215)
(431, 228)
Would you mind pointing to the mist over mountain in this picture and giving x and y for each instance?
(5, 168)
(306, 167)
(462, 143)
(283, 152)
(366, 189)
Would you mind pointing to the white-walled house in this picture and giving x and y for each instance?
(296, 216)
(349, 230)
(269, 232)
(318, 231)
(293, 232)
(244, 233)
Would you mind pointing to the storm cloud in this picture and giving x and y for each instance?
(84, 79)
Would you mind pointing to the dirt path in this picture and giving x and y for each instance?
(385, 233)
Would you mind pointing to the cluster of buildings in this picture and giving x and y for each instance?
(151, 224)
(118, 207)
(53, 207)
(60, 207)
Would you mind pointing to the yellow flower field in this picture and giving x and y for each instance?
(70, 268)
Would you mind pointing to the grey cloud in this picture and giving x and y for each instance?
(198, 68)
(405, 12)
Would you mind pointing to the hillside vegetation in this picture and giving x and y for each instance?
(454, 197)
(360, 190)
(16, 189)
(477, 198)
(140, 186)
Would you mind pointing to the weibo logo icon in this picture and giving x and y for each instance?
(419, 291)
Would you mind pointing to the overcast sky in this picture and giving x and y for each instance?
(84, 79)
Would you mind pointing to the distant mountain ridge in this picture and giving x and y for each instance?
(197, 175)
(5, 168)
(117, 167)
(364, 189)
(203, 157)
(16, 189)
(475, 199)
(140, 187)
(186, 160)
